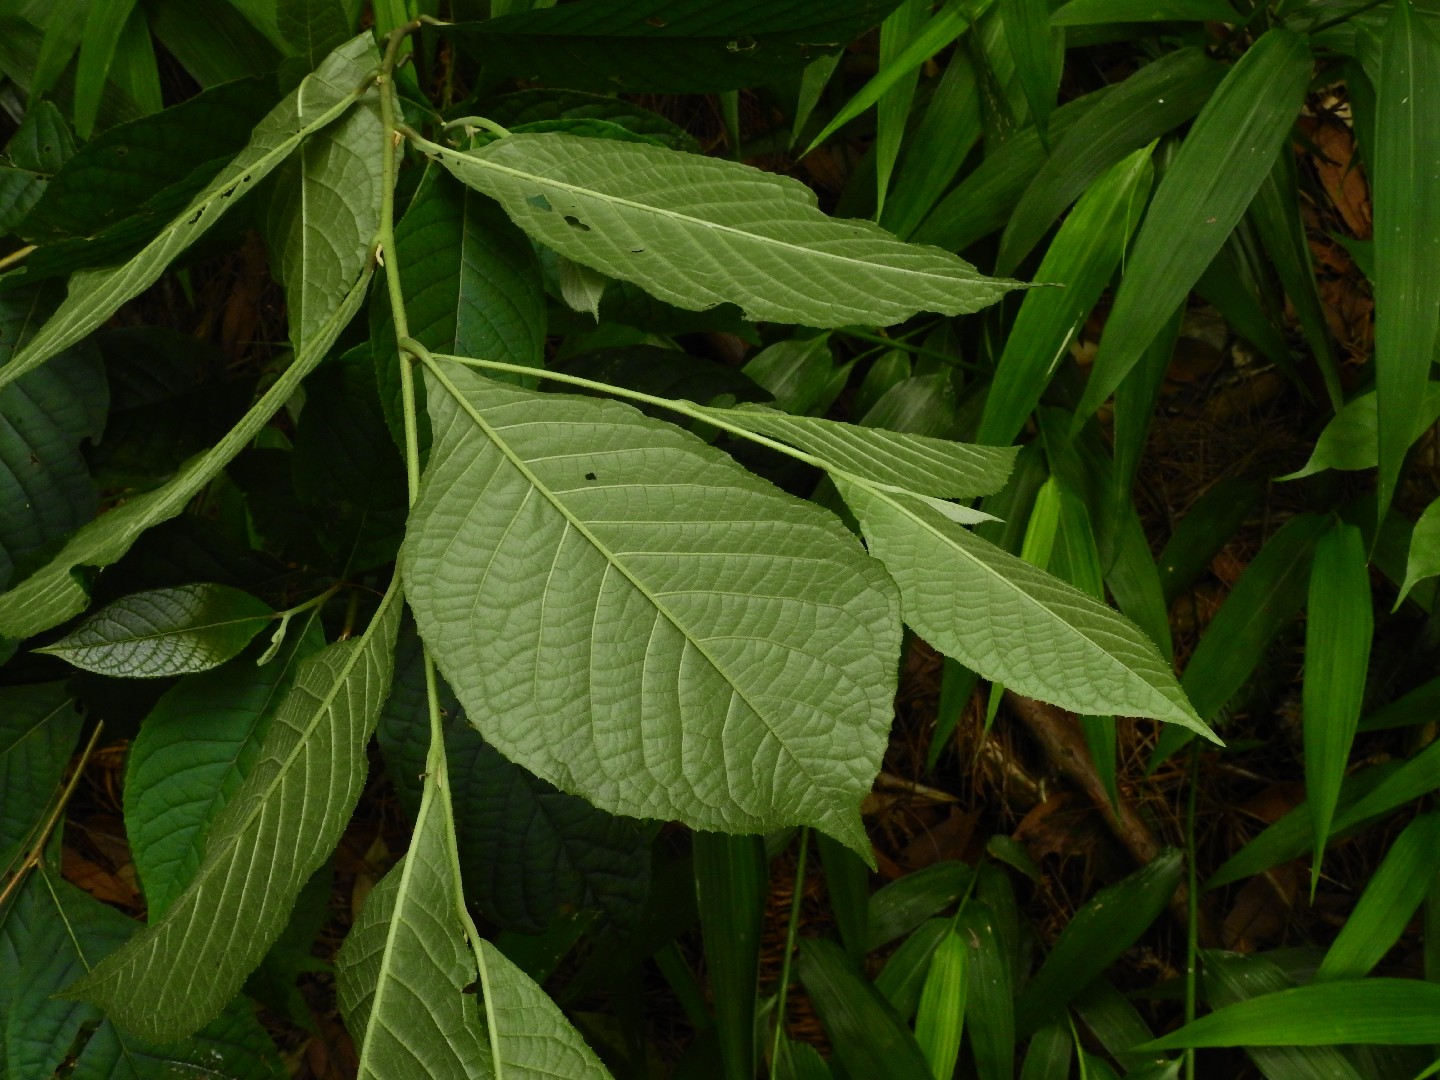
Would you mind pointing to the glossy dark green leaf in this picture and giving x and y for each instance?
(1081, 260)
(1107, 925)
(1086, 12)
(193, 752)
(149, 635)
(1389, 902)
(732, 877)
(347, 473)
(905, 903)
(1227, 155)
(38, 727)
(1130, 115)
(1114, 1020)
(45, 417)
(1049, 1055)
(52, 933)
(690, 46)
(35, 153)
(1403, 171)
(868, 1037)
(1262, 603)
(1339, 625)
(1386, 1012)
(528, 853)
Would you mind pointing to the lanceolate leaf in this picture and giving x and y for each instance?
(177, 974)
(1350, 440)
(38, 727)
(95, 294)
(193, 752)
(45, 486)
(697, 232)
(1407, 233)
(668, 46)
(1424, 558)
(325, 217)
(574, 563)
(52, 932)
(1221, 164)
(53, 593)
(1012, 623)
(163, 632)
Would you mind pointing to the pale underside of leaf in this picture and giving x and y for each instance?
(628, 614)
(1012, 623)
(95, 294)
(55, 592)
(699, 231)
(178, 973)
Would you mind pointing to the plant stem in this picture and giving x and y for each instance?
(1192, 905)
(790, 932)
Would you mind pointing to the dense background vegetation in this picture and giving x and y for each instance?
(1225, 414)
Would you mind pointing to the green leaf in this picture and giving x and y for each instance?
(847, 887)
(325, 216)
(899, 30)
(38, 728)
(941, 1019)
(1038, 61)
(1108, 924)
(1227, 155)
(648, 215)
(211, 39)
(193, 753)
(1048, 1056)
(799, 373)
(918, 463)
(657, 559)
(1229, 978)
(667, 46)
(286, 818)
(53, 932)
(1350, 440)
(1262, 603)
(1403, 169)
(311, 28)
(541, 106)
(1092, 12)
(937, 150)
(45, 485)
(98, 41)
(1424, 558)
(96, 294)
(868, 1037)
(1388, 903)
(54, 593)
(1338, 627)
(732, 878)
(150, 635)
(1013, 623)
(989, 998)
(948, 23)
(902, 979)
(1206, 527)
(907, 902)
(37, 151)
(1081, 259)
(1383, 1012)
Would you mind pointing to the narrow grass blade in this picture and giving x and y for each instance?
(1093, 12)
(902, 978)
(1389, 902)
(957, 686)
(1420, 706)
(1134, 581)
(1202, 532)
(1081, 259)
(900, 27)
(1216, 173)
(1404, 175)
(1262, 603)
(868, 1036)
(1116, 1022)
(731, 881)
(1136, 399)
(812, 84)
(1130, 115)
(1100, 931)
(907, 902)
(938, 147)
(1338, 628)
(1038, 51)
(1230, 978)
(990, 993)
(948, 23)
(940, 1022)
(847, 883)
(1383, 1012)
(103, 26)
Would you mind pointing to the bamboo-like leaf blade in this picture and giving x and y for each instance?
(1012, 623)
(174, 976)
(1407, 233)
(1338, 628)
(1351, 439)
(574, 563)
(1424, 558)
(95, 294)
(697, 232)
(161, 632)
(941, 1018)
(1221, 164)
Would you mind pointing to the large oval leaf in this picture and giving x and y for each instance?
(699, 231)
(628, 614)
